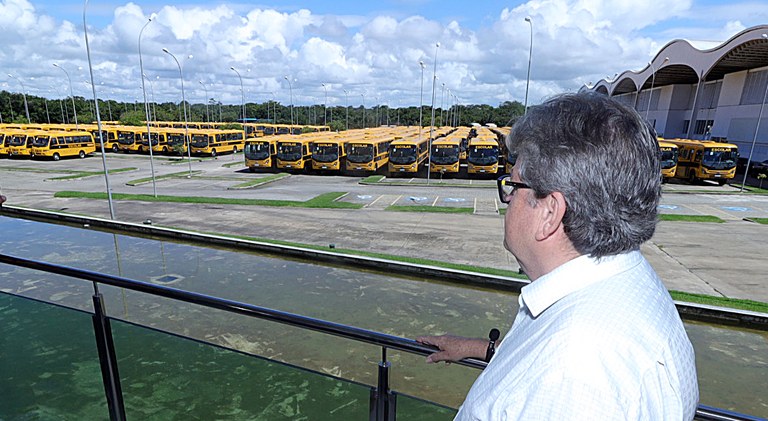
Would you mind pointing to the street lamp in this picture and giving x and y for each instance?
(530, 53)
(653, 80)
(98, 116)
(207, 115)
(152, 93)
(146, 112)
(24, 94)
(71, 93)
(432, 124)
(346, 105)
(325, 106)
(757, 128)
(290, 89)
(242, 93)
(421, 98)
(183, 101)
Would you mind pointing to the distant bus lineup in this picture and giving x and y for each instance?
(396, 151)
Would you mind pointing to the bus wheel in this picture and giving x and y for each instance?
(115, 149)
(721, 182)
(692, 177)
(234, 149)
(252, 169)
(56, 157)
(165, 150)
(213, 152)
(81, 154)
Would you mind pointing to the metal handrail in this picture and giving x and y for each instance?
(703, 412)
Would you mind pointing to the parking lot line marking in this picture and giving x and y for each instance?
(395, 201)
(374, 202)
(435, 202)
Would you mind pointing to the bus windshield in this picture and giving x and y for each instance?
(325, 153)
(19, 140)
(360, 153)
(257, 150)
(176, 139)
(289, 151)
(199, 140)
(403, 155)
(483, 155)
(668, 158)
(445, 155)
(40, 141)
(155, 138)
(126, 138)
(719, 159)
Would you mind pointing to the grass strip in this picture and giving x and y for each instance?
(325, 200)
(763, 221)
(435, 209)
(689, 218)
(748, 305)
(181, 174)
(260, 181)
(234, 164)
(83, 174)
(751, 189)
(372, 179)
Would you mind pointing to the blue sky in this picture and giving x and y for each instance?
(370, 49)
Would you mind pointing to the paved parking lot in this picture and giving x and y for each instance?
(717, 259)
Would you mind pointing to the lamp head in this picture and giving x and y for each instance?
(437, 45)
(528, 19)
(165, 50)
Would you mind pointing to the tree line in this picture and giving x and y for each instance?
(42, 110)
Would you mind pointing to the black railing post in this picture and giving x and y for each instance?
(383, 404)
(108, 360)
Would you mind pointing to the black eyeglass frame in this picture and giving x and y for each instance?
(506, 180)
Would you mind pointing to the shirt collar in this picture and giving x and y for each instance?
(572, 276)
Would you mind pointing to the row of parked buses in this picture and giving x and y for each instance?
(26, 140)
(399, 151)
(696, 160)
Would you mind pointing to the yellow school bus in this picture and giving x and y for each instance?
(129, 138)
(108, 135)
(407, 155)
(5, 137)
(483, 155)
(368, 154)
(214, 142)
(668, 159)
(294, 152)
(260, 153)
(446, 154)
(19, 143)
(178, 140)
(60, 144)
(705, 160)
(329, 154)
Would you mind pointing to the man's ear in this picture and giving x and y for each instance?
(551, 211)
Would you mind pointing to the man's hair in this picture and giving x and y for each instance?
(604, 158)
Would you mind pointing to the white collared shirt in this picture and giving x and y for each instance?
(595, 339)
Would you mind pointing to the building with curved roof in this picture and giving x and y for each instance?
(720, 87)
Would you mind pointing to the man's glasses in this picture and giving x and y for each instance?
(507, 187)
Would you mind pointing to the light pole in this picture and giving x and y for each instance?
(530, 54)
(432, 124)
(442, 99)
(207, 115)
(757, 128)
(152, 93)
(290, 89)
(421, 98)
(146, 112)
(71, 93)
(325, 105)
(274, 107)
(24, 94)
(98, 116)
(183, 102)
(346, 106)
(363, 95)
(653, 80)
(242, 92)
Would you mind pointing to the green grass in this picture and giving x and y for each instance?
(260, 181)
(759, 220)
(435, 209)
(689, 218)
(372, 179)
(234, 164)
(83, 174)
(720, 301)
(161, 177)
(326, 200)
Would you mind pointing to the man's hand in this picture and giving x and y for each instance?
(454, 348)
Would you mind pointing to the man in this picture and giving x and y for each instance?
(597, 336)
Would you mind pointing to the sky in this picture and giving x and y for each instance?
(355, 52)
